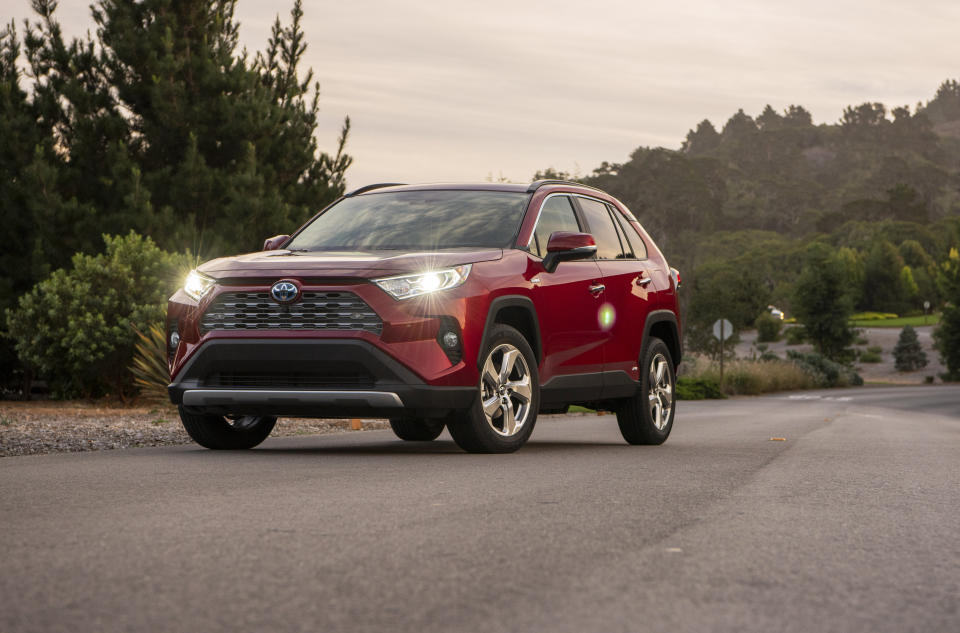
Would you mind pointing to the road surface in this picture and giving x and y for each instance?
(850, 524)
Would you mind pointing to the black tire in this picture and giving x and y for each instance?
(637, 416)
(471, 429)
(219, 433)
(417, 429)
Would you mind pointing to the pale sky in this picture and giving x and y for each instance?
(446, 91)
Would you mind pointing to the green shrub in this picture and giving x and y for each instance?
(947, 337)
(75, 328)
(825, 372)
(861, 340)
(907, 353)
(870, 357)
(873, 316)
(875, 349)
(768, 327)
(795, 335)
(698, 389)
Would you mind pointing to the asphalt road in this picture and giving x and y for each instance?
(851, 524)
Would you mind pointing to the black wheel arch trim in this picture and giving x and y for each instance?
(665, 316)
(511, 301)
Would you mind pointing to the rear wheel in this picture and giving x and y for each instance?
(232, 432)
(416, 429)
(647, 417)
(508, 397)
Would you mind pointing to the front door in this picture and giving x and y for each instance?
(567, 301)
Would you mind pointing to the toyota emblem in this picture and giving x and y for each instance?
(284, 291)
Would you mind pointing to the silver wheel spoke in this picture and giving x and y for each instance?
(490, 406)
(506, 365)
(661, 370)
(509, 421)
(490, 373)
(521, 389)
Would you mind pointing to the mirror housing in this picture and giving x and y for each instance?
(564, 247)
(275, 242)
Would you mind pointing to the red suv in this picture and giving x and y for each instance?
(470, 307)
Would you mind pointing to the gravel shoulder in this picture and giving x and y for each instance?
(34, 427)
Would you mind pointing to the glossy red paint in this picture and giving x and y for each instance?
(591, 315)
(565, 241)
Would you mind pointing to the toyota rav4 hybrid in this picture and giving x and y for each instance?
(470, 307)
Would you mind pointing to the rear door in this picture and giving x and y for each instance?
(628, 296)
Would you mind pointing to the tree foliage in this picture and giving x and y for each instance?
(908, 354)
(76, 328)
(823, 306)
(154, 122)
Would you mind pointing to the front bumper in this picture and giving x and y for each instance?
(326, 378)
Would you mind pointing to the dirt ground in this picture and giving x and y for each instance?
(882, 372)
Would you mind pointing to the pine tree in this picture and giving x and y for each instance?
(907, 353)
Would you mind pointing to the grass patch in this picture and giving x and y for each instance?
(752, 377)
(928, 319)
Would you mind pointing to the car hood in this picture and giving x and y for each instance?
(342, 264)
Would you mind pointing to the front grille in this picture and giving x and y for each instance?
(315, 311)
(344, 374)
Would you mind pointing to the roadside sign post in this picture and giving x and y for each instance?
(722, 330)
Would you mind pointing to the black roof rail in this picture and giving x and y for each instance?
(372, 187)
(536, 184)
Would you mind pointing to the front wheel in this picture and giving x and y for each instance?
(234, 432)
(508, 397)
(647, 417)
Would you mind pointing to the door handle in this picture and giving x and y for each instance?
(597, 288)
(643, 281)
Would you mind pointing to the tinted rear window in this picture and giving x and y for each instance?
(416, 220)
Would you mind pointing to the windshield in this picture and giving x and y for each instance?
(416, 220)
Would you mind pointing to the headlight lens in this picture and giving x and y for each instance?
(197, 285)
(406, 286)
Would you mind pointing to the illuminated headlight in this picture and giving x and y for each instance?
(197, 285)
(406, 286)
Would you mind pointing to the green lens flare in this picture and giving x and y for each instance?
(606, 316)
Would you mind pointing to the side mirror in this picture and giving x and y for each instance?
(565, 247)
(275, 242)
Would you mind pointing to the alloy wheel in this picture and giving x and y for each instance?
(505, 390)
(661, 392)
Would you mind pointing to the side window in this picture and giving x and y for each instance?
(555, 215)
(633, 245)
(600, 224)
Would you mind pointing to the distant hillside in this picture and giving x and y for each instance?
(760, 190)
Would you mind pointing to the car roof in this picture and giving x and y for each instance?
(477, 186)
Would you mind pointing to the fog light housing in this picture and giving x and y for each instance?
(173, 340)
(449, 339)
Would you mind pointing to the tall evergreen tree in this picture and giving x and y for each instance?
(225, 145)
(822, 305)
